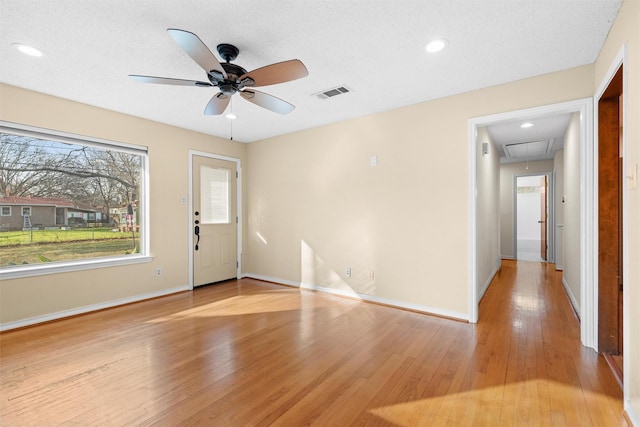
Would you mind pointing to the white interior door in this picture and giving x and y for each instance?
(531, 217)
(214, 219)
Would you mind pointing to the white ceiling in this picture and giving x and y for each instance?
(375, 48)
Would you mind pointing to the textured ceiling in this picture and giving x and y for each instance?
(375, 48)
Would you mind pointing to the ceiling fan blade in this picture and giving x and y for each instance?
(197, 50)
(267, 101)
(217, 104)
(277, 73)
(169, 81)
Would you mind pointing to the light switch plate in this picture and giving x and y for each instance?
(632, 177)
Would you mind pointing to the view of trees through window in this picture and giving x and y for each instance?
(62, 201)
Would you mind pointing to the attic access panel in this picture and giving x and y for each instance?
(527, 149)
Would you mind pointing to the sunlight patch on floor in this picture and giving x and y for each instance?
(510, 404)
(236, 306)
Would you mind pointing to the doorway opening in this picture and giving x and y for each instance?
(531, 220)
(610, 224)
(579, 271)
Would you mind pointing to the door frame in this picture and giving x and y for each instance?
(619, 61)
(238, 163)
(588, 204)
(551, 217)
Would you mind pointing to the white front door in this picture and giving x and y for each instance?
(214, 220)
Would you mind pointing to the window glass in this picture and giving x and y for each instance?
(214, 195)
(73, 198)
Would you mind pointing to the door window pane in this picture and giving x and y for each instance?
(214, 195)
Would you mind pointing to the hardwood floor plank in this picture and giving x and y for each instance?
(250, 353)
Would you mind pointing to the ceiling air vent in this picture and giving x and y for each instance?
(333, 92)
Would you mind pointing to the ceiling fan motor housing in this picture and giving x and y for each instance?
(227, 88)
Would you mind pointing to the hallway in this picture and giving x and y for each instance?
(549, 376)
(250, 353)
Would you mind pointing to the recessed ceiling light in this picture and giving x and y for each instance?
(526, 125)
(28, 50)
(436, 45)
(231, 116)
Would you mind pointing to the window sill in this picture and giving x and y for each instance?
(65, 267)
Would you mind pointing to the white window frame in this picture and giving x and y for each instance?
(89, 263)
(2, 208)
(22, 208)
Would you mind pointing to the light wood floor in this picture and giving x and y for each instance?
(249, 353)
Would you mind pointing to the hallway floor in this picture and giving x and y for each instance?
(548, 373)
(529, 250)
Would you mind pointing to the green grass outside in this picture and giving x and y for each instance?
(12, 238)
(62, 245)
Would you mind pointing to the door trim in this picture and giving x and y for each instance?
(238, 163)
(550, 214)
(619, 60)
(587, 206)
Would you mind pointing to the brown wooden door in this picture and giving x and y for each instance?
(543, 217)
(609, 219)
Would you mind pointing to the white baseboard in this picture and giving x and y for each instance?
(88, 308)
(488, 282)
(271, 279)
(365, 297)
(631, 413)
(574, 302)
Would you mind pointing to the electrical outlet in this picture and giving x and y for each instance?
(158, 272)
(347, 271)
(370, 275)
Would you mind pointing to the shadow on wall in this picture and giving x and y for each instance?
(317, 274)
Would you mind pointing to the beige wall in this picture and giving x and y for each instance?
(626, 31)
(571, 210)
(320, 207)
(508, 172)
(487, 206)
(26, 298)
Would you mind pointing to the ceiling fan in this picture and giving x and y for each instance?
(231, 78)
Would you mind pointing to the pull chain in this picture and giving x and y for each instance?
(231, 120)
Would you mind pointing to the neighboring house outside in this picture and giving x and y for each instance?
(126, 216)
(43, 212)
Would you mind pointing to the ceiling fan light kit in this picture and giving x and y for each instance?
(230, 78)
